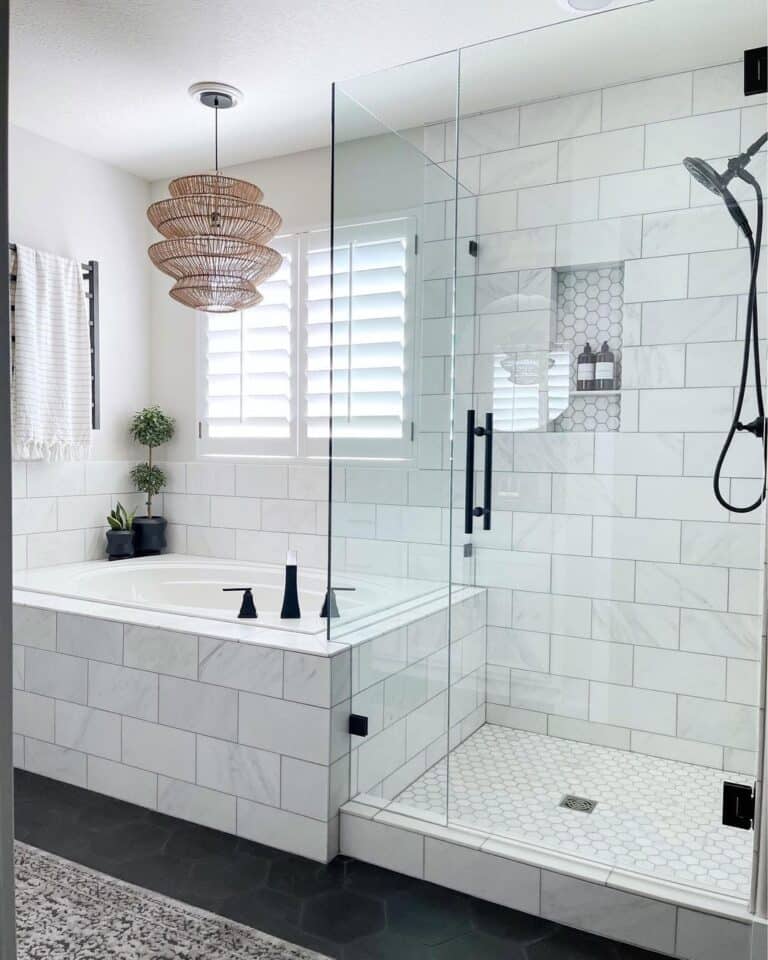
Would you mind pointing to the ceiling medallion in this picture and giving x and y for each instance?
(216, 229)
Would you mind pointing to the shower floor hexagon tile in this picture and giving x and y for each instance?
(653, 816)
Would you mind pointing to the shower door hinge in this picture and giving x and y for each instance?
(738, 805)
(473, 248)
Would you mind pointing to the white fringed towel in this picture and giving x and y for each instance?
(52, 359)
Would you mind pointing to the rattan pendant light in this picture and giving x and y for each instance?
(216, 230)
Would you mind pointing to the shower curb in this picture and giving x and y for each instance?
(652, 914)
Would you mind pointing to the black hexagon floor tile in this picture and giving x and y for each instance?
(429, 914)
(476, 944)
(510, 924)
(302, 878)
(567, 944)
(387, 946)
(126, 841)
(367, 878)
(191, 842)
(347, 910)
(343, 916)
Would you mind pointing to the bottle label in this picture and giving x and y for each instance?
(585, 371)
(604, 371)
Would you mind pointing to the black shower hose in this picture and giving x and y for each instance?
(751, 340)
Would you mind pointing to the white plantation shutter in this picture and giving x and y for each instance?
(266, 372)
(370, 339)
(249, 361)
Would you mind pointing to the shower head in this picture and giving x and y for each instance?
(717, 183)
(705, 174)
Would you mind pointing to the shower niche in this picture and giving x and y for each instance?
(590, 302)
(536, 383)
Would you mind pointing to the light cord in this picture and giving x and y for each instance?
(216, 133)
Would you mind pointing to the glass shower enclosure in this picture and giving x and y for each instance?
(537, 332)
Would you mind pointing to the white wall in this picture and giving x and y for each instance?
(72, 205)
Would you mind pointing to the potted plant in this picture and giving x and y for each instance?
(120, 533)
(151, 428)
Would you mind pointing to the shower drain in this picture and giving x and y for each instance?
(578, 803)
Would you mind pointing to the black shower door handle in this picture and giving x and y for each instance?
(470, 510)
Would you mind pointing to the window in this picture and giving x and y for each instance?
(248, 361)
(266, 372)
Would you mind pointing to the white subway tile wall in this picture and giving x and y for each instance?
(624, 598)
(60, 509)
(401, 682)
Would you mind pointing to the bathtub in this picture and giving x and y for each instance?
(193, 586)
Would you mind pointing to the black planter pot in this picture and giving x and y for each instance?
(149, 535)
(119, 544)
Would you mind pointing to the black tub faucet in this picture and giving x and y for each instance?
(247, 607)
(330, 607)
(291, 609)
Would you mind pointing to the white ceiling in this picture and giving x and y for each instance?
(110, 78)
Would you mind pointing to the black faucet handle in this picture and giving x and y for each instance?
(330, 608)
(247, 607)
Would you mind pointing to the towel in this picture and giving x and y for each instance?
(51, 358)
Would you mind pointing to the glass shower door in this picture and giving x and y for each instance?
(387, 358)
(623, 603)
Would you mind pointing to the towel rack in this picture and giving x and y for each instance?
(91, 277)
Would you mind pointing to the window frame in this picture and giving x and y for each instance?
(299, 446)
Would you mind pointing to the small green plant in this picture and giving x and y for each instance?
(120, 519)
(151, 428)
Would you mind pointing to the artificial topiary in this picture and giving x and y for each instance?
(150, 427)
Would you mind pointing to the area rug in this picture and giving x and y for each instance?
(68, 912)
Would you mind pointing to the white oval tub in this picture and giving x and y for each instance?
(193, 586)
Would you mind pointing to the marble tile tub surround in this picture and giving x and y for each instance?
(247, 738)
(624, 606)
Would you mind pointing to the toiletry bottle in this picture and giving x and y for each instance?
(585, 369)
(290, 610)
(605, 369)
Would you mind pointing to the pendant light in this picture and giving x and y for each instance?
(216, 229)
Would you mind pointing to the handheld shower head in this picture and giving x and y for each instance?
(705, 174)
(717, 183)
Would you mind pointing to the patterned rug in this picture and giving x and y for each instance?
(68, 912)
